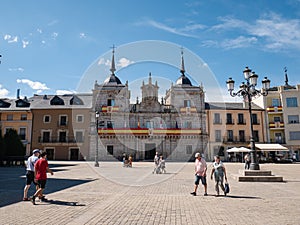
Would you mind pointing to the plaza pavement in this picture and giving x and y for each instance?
(111, 194)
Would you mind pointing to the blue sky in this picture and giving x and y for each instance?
(49, 47)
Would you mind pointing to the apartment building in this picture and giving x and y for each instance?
(228, 125)
(61, 125)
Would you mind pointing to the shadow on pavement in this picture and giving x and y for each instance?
(239, 197)
(12, 183)
(65, 203)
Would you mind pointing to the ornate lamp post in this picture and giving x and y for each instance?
(97, 123)
(247, 91)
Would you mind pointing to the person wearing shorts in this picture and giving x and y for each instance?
(30, 172)
(200, 174)
(40, 170)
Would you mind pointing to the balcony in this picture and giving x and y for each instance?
(109, 109)
(274, 109)
(188, 110)
(278, 141)
(276, 125)
(229, 121)
(149, 131)
(61, 139)
(236, 139)
(216, 121)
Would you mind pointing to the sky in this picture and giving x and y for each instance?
(62, 47)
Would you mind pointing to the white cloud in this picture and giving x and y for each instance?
(39, 30)
(25, 43)
(82, 35)
(272, 32)
(10, 39)
(239, 42)
(3, 92)
(64, 92)
(164, 27)
(102, 61)
(35, 85)
(19, 69)
(54, 35)
(123, 62)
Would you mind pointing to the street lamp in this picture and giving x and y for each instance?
(96, 155)
(247, 91)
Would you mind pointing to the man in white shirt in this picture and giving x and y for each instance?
(30, 172)
(200, 173)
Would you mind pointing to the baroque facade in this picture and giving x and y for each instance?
(174, 126)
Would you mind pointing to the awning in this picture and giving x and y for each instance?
(241, 149)
(271, 147)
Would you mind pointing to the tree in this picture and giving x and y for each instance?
(12, 144)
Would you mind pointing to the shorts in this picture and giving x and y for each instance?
(30, 177)
(198, 178)
(42, 183)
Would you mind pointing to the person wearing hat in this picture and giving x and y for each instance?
(30, 172)
(200, 173)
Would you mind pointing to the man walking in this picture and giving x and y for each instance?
(200, 173)
(30, 172)
(40, 170)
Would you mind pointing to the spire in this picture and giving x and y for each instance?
(286, 77)
(182, 70)
(150, 78)
(113, 67)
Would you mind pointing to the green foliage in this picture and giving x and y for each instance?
(12, 144)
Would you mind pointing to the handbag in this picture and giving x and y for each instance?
(227, 188)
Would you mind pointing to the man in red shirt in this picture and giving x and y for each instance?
(41, 168)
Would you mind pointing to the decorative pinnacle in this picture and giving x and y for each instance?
(113, 66)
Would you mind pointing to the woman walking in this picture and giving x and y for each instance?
(219, 172)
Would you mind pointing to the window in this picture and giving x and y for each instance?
(110, 102)
(294, 135)
(255, 136)
(189, 149)
(242, 135)
(10, 117)
(278, 138)
(22, 133)
(254, 118)
(218, 135)
(110, 149)
(230, 135)
(291, 102)
(110, 124)
(62, 136)
(149, 124)
(46, 136)
(187, 103)
(293, 118)
(188, 124)
(275, 102)
(79, 136)
(101, 123)
(47, 119)
(217, 118)
(241, 118)
(79, 119)
(276, 119)
(229, 118)
(23, 116)
(63, 120)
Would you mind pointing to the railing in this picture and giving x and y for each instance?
(276, 125)
(236, 139)
(217, 121)
(229, 121)
(61, 139)
(149, 131)
(278, 141)
(272, 109)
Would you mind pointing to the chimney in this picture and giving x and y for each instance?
(18, 93)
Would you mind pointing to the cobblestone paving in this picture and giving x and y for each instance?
(111, 194)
